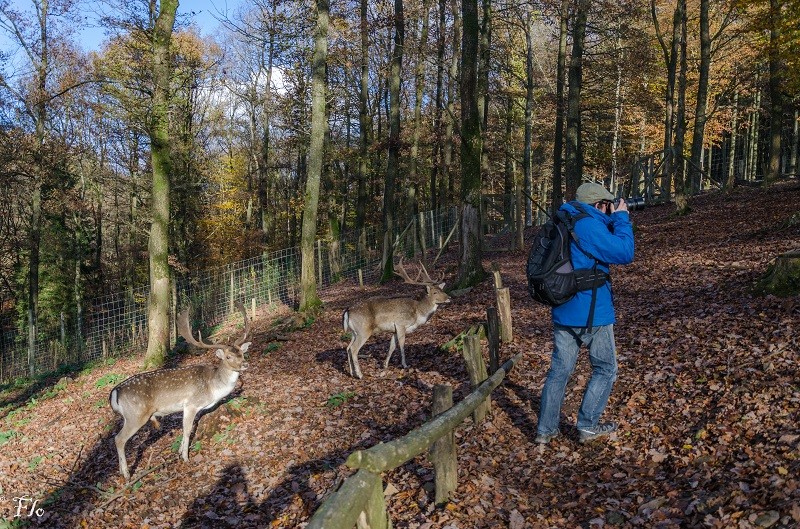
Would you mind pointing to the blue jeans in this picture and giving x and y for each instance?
(602, 355)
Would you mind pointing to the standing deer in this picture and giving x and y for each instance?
(399, 316)
(188, 389)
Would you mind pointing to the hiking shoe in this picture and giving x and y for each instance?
(602, 429)
(544, 438)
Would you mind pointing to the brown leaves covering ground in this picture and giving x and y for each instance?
(707, 398)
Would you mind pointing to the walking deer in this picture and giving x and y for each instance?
(399, 316)
(189, 389)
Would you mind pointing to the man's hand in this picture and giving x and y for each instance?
(621, 207)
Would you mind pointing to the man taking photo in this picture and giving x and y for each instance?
(604, 237)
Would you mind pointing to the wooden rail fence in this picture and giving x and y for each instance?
(359, 501)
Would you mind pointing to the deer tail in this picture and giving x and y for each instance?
(346, 319)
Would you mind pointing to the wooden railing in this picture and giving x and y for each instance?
(360, 500)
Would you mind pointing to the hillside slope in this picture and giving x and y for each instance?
(708, 400)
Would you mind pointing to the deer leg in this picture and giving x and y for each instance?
(130, 426)
(401, 341)
(352, 355)
(392, 346)
(188, 421)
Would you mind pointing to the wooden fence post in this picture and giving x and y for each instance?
(498, 280)
(374, 515)
(477, 372)
(504, 310)
(493, 337)
(443, 452)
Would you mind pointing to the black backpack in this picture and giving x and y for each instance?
(552, 280)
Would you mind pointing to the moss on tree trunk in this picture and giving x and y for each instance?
(782, 278)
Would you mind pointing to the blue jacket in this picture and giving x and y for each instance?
(609, 238)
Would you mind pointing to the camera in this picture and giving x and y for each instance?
(633, 203)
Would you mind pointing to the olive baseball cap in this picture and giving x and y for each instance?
(591, 193)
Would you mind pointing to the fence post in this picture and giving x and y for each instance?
(443, 452)
(63, 331)
(520, 219)
(319, 260)
(504, 309)
(375, 515)
(498, 280)
(173, 329)
(493, 336)
(477, 372)
(231, 294)
(31, 343)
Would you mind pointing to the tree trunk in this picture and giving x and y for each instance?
(751, 171)
(795, 144)
(470, 269)
(392, 166)
(618, 97)
(484, 65)
(419, 85)
(263, 160)
(558, 134)
(160, 155)
(775, 96)
(681, 191)
(449, 143)
(731, 180)
(436, 155)
(702, 98)
(365, 126)
(670, 60)
(308, 282)
(527, 164)
(574, 152)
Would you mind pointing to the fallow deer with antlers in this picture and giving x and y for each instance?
(400, 316)
(190, 389)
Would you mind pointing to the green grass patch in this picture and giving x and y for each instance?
(110, 379)
(337, 399)
(274, 346)
(34, 463)
(6, 436)
(238, 403)
(223, 437)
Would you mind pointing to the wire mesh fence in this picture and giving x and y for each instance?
(116, 324)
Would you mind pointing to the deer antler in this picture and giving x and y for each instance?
(186, 331)
(400, 270)
(428, 277)
(241, 340)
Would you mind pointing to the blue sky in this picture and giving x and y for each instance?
(203, 13)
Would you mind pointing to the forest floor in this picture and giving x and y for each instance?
(708, 401)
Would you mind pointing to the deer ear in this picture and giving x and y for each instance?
(244, 347)
(441, 286)
(220, 353)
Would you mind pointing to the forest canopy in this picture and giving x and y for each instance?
(703, 92)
